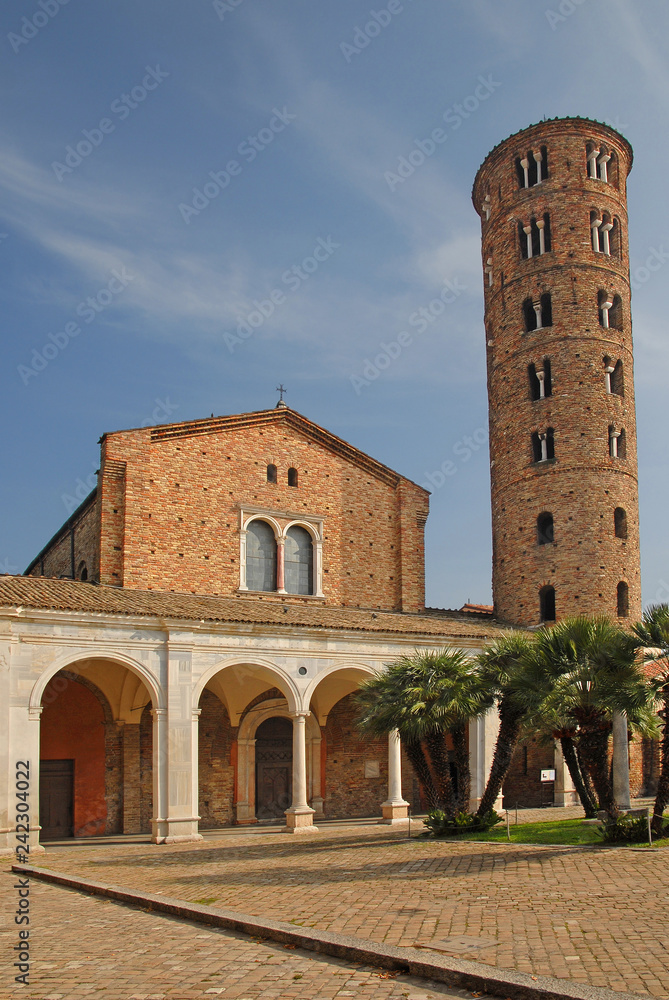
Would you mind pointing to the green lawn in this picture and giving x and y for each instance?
(566, 831)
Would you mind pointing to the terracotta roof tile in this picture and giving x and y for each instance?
(67, 595)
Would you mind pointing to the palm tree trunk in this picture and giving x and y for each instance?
(418, 760)
(594, 745)
(571, 760)
(441, 771)
(662, 794)
(461, 757)
(586, 777)
(505, 747)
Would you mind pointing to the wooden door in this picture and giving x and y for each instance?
(56, 799)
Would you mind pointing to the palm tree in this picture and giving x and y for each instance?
(653, 633)
(502, 670)
(425, 696)
(583, 670)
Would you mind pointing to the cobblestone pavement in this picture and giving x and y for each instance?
(88, 947)
(595, 915)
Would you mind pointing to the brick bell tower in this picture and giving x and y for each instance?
(565, 518)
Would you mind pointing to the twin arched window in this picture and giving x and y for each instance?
(265, 565)
(272, 475)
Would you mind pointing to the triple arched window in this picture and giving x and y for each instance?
(282, 560)
(602, 163)
(535, 237)
(538, 313)
(605, 233)
(532, 168)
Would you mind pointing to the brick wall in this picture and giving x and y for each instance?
(523, 785)
(146, 769)
(583, 485)
(347, 791)
(84, 529)
(215, 772)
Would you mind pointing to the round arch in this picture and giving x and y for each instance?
(121, 659)
(310, 528)
(269, 671)
(348, 671)
(267, 518)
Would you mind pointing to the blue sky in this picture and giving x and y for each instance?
(139, 272)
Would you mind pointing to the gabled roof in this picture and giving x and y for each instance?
(44, 593)
(281, 415)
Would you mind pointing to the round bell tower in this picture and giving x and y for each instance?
(565, 522)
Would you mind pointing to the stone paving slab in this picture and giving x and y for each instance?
(91, 947)
(427, 965)
(595, 916)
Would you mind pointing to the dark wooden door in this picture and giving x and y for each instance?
(56, 799)
(274, 789)
(274, 768)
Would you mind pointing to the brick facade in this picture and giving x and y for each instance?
(582, 486)
(168, 510)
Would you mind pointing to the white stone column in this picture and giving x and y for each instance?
(564, 793)
(300, 816)
(395, 809)
(537, 160)
(482, 738)
(178, 748)
(159, 818)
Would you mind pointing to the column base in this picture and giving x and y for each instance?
(300, 820)
(318, 805)
(394, 812)
(175, 831)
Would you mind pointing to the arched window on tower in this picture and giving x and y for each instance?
(543, 445)
(605, 233)
(617, 442)
(545, 529)
(299, 561)
(82, 572)
(260, 556)
(292, 477)
(622, 600)
(620, 522)
(610, 310)
(538, 313)
(547, 604)
(617, 379)
(532, 168)
(602, 163)
(271, 473)
(535, 237)
(540, 380)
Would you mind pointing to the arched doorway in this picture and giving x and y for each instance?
(274, 764)
(72, 759)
